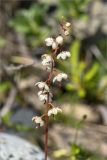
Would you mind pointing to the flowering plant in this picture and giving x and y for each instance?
(44, 94)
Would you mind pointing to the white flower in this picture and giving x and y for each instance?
(54, 111)
(54, 45)
(63, 55)
(59, 40)
(47, 61)
(43, 96)
(38, 120)
(42, 85)
(66, 33)
(60, 77)
(49, 41)
(68, 24)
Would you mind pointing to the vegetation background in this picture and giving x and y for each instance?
(80, 132)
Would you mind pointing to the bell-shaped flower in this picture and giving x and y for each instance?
(49, 41)
(60, 77)
(38, 120)
(63, 55)
(59, 40)
(68, 24)
(43, 96)
(54, 45)
(54, 111)
(42, 85)
(47, 61)
(66, 33)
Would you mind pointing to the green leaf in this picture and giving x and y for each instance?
(81, 92)
(70, 87)
(60, 153)
(6, 118)
(75, 47)
(4, 86)
(75, 149)
(92, 72)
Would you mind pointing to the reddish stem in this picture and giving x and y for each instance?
(46, 129)
(46, 137)
(48, 81)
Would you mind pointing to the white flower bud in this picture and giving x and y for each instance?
(68, 24)
(66, 33)
(63, 55)
(60, 77)
(54, 111)
(54, 45)
(59, 40)
(49, 41)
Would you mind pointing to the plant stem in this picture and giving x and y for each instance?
(46, 129)
(47, 118)
(46, 138)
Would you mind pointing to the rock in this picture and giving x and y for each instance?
(96, 20)
(15, 148)
(26, 120)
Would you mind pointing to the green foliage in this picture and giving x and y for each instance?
(84, 79)
(74, 9)
(76, 153)
(32, 23)
(4, 86)
(79, 153)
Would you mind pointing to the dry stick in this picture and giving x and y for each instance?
(10, 100)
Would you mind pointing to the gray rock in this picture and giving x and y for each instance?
(23, 116)
(15, 148)
(97, 20)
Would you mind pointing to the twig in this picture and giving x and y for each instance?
(16, 68)
(23, 62)
(10, 100)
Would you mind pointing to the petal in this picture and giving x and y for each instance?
(63, 56)
(54, 79)
(54, 45)
(58, 56)
(59, 78)
(68, 54)
(54, 111)
(59, 39)
(49, 113)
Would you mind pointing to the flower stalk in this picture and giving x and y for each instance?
(44, 94)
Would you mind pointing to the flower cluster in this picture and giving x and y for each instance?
(38, 121)
(66, 28)
(48, 62)
(54, 42)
